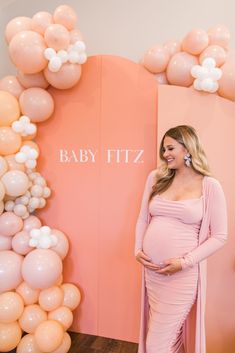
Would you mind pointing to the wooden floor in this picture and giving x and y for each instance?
(82, 343)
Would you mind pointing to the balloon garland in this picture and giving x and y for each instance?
(46, 50)
(201, 59)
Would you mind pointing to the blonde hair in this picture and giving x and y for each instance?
(187, 137)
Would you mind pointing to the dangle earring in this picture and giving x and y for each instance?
(187, 160)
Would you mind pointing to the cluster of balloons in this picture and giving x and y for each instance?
(33, 298)
(173, 61)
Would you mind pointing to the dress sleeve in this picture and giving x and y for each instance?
(217, 230)
(143, 218)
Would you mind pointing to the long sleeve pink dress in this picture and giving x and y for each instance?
(173, 307)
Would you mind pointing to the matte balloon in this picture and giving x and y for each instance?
(219, 35)
(161, 78)
(227, 81)
(179, 69)
(17, 25)
(216, 52)
(28, 345)
(37, 104)
(41, 268)
(195, 41)
(28, 294)
(57, 37)
(3, 166)
(51, 298)
(62, 246)
(16, 182)
(49, 335)
(10, 141)
(172, 46)
(40, 21)
(67, 77)
(12, 164)
(31, 222)
(11, 85)
(65, 345)
(10, 336)
(1, 207)
(9, 108)
(11, 307)
(156, 59)
(2, 191)
(20, 243)
(5, 243)
(63, 315)
(27, 52)
(75, 35)
(32, 80)
(10, 224)
(66, 16)
(72, 296)
(10, 270)
(32, 317)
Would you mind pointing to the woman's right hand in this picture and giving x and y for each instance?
(142, 258)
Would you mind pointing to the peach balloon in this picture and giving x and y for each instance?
(161, 78)
(11, 307)
(172, 47)
(10, 141)
(10, 336)
(27, 52)
(28, 345)
(179, 69)
(28, 294)
(216, 52)
(10, 224)
(12, 85)
(219, 35)
(9, 108)
(10, 270)
(12, 164)
(41, 268)
(3, 166)
(65, 345)
(37, 104)
(31, 222)
(32, 80)
(40, 21)
(195, 41)
(67, 77)
(63, 315)
(49, 335)
(32, 317)
(66, 16)
(51, 298)
(16, 182)
(72, 296)
(75, 35)
(17, 25)
(20, 243)
(1, 207)
(57, 37)
(5, 243)
(227, 81)
(156, 59)
(62, 246)
(2, 191)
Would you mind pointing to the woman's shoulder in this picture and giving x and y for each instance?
(212, 182)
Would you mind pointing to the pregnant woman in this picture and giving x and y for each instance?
(182, 221)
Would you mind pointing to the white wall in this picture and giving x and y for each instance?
(125, 27)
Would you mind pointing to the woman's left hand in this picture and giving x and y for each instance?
(171, 266)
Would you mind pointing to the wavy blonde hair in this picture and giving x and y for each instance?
(187, 137)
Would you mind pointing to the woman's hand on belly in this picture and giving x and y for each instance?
(171, 266)
(146, 261)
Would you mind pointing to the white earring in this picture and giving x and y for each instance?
(187, 160)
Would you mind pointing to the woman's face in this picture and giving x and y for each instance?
(173, 153)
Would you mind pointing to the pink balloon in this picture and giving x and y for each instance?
(28, 345)
(72, 296)
(32, 80)
(65, 345)
(219, 35)
(179, 69)
(49, 335)
(12, 85)
(10, 141)
(17, 25)
(12, 164)
(62, 246)
(57, 37)
(51, 298)
(41, 268)
(227, 81)
(216, 52)
(172, 47)
(31, 222)
(5, 243)
(75, 35)
(67, 77)
(156, 59)
(11, 307)
(161, 78)
(28, 294)
(10, 224)
(32, 317)
(20, 243)
(37, 104)
(27, 52)
(10, 336)
(195, 41)
(10, 270)
(66, 16)
(40, 21)
(16, 182)
(63, 315)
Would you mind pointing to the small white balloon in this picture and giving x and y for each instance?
(209, 63)
(40, 181)
(20, 210)
(45, 230)
(31, 163)
(20, 157)
(30, 129)
(24, 200)
(36, 190)
(207, 84)
(79, 46)
(73, 57)
(63, 55)
(33, 242)
(46, 192)
(33, 202)
(24, 119)
(9, 206)
(17, 126)
(197, 85)
(55, 64)
(33, 154)
(49, 53)
(44, 242)
(35, 233)
(82, 58)
(42, 202)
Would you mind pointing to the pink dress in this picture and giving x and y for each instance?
(191, 230)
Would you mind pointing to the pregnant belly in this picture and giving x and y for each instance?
(166, 238)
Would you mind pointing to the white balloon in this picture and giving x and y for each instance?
(82, 58)
(55, 64)
(49, 53)
(207, 84)
(24, 200)
(20, 210)
(215, 87)
(9, 206)
(33, 242)
(73, 57)
(33, 154)
(30, 129)
(34, 202)
(36, 190)
(79, 46)
(45, 230)
(63, 55)
(31, 163)
(25, 149)
(197, 85)
(35, 233)
(42, 202)
(20, 157)
(17, 126)
(194, 71)
(209, 63)
(40, 181)
(24, 119)
(46, 192)
(44, 242)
